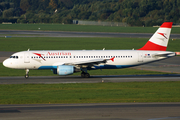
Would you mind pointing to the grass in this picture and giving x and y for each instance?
(83, 28)
(90, 93)
(47, 43)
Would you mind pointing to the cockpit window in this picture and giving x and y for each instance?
(14, 57)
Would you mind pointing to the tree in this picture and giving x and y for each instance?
(53, 4)
(8, 13)
(4, 5)
(24, 5)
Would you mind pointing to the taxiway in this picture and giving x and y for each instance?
(29, 33)
(100, 111)
(92, 79)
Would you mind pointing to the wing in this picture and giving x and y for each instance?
(89, 63)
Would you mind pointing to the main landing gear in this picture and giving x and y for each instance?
(26, 75)
(85, 74)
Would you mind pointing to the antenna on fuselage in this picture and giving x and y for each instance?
(28, 49)
(103, 48)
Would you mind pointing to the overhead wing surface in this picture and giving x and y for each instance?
(89, 63)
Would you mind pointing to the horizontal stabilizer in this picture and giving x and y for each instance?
(168, 54)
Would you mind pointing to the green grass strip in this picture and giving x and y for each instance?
(90, 93)
(52, 43)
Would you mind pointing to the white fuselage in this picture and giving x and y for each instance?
(50, 59)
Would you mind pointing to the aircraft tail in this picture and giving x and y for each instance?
(159, 41)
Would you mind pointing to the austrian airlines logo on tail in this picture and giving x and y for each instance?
(163, 34)
(40, 55)
(157, 44)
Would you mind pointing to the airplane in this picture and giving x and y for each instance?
(66, 62)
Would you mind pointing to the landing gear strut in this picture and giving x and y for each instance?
(26, 75)
(85, 75)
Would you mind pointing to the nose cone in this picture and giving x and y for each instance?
(7, 63)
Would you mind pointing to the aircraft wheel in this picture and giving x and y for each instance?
(87, 75)
(26, 76)
(82, 75)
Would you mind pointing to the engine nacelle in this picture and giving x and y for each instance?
(65, 69)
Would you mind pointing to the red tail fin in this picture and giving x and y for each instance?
(159, 40)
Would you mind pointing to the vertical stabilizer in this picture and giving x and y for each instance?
(159, 41)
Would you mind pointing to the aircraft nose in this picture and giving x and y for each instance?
(6, 63)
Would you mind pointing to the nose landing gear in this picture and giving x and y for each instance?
(26, 75)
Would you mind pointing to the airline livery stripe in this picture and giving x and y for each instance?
(167, 25)
(152, 46)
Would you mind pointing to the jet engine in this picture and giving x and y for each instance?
(66, 69)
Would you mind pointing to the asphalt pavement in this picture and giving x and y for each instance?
(29, 33)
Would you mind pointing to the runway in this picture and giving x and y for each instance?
(92, 79)
(19, 33)
(100, 111)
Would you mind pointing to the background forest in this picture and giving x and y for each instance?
(132, 12)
